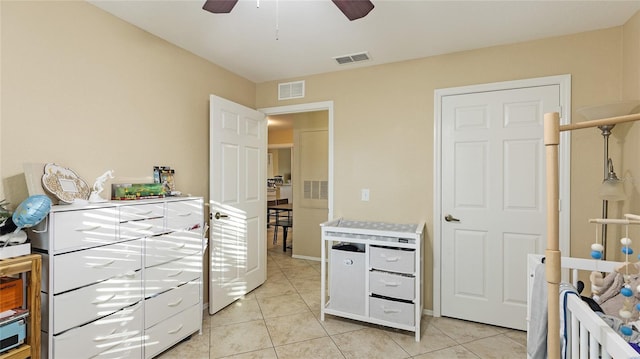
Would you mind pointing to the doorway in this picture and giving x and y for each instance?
(491, 212)
(308, 213)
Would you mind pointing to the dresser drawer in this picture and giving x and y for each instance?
(166, 333)
(392, 285)
(129, 350)
(185, 215)
(141, 211)
(100, 336)
(171, 246)
(170, 275)
(392, 311)
(77, 269)
(392, 259)
(171, 302)
(74, 230)
(96, 301)
(142, 228)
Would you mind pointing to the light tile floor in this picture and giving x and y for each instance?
(281, 319)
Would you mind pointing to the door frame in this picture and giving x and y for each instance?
(564, 154)
(310, 107)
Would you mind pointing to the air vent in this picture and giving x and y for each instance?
(290, 90)
(316, 189)
(348, 59)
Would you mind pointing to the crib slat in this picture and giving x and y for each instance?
(584, 342)
(574, 349)
(594, 347)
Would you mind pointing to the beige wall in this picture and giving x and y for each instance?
(88, 91)
(383, 123)
(279, 137)
(630, 133)
(84, 89)
(311, 158)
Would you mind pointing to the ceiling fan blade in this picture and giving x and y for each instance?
(354, 9)
(219, 6)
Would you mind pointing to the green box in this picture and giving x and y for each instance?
(133, 191)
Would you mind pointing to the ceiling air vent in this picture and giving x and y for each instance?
(290, 90)
(348, 59)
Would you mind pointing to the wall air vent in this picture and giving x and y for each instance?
(348, 59)
(291, 90)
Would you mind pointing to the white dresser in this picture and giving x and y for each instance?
(375, 272)
(120, 279)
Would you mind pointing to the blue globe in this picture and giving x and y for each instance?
(31, 211)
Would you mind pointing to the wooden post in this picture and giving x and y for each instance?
(552, 254)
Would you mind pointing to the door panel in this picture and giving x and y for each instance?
(493, 182)
(238, 196)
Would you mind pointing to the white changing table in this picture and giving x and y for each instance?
(375, 272)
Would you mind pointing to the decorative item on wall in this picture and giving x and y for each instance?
(98, 187)
(64, 184)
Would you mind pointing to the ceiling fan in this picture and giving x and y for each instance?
(353, 9)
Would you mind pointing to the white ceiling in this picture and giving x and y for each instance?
(311, 32)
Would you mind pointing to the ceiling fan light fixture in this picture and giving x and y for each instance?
(354, 9)
(219, 6)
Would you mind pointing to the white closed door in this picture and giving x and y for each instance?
(493, 201)
(237, 192)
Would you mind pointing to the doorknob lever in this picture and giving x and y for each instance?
(450, 218)
(218, 215)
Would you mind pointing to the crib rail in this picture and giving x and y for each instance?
(590, 337)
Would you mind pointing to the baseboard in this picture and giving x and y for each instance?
(306, 257)
(428, 312)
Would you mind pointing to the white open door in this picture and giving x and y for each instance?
(237, 156)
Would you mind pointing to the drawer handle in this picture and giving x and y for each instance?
(100, 301)
(145, 228)
(392, 259)
(87, 229)
(179, 247)
(185, 214)
(389, 310)
(104, 264)
(175, 274)
(390, 284)
(108, 336)
(175, 330)
(176, 303)
(144, 213)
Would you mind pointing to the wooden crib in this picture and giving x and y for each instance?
(587, 335)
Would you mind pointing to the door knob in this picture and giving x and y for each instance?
(450, 218)
(218, 215)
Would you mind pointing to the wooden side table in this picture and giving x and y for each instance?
(32, 265)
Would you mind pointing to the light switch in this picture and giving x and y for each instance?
(364, 194)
